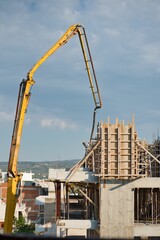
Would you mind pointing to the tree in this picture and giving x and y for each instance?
(22, 227)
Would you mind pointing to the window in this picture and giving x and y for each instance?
(147, 205)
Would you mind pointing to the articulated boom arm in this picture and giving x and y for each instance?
(14, 178)
(72, 30)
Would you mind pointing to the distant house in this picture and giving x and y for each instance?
(25, 206)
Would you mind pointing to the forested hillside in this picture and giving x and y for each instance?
(40, 169)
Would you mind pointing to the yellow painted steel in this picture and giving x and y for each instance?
(11, 202)
(14, 177)
(22, 105)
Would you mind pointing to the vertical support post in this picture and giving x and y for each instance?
(67, 201)
(119, 152)
(64, 201)
(58, 199)
(93, 162)
(132, 164)
(137, 205)
(102, 149)
(152, 205)
(109, 148)
(90, 207)
(86, 205)
(156, 207)
(96, 196)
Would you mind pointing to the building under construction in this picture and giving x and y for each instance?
(113, 192)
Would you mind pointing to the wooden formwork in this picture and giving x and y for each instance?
(117, 152)
(118, 155)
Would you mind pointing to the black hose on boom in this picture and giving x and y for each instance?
(93, 124)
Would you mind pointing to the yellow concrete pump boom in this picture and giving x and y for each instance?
(14, 177)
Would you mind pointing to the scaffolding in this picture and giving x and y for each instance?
(155, 150)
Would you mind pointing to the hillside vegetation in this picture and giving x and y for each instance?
(40, 169)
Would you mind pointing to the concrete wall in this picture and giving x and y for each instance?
(117, 208)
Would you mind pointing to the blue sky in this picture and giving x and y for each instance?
(124, 38)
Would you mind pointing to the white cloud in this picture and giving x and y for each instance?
(155, 112)
(28, 120)
(152, 54)
(6, 117)
(112, 32)
(9, 117)
(59, 123)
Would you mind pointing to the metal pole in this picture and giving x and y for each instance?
(137, 205)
